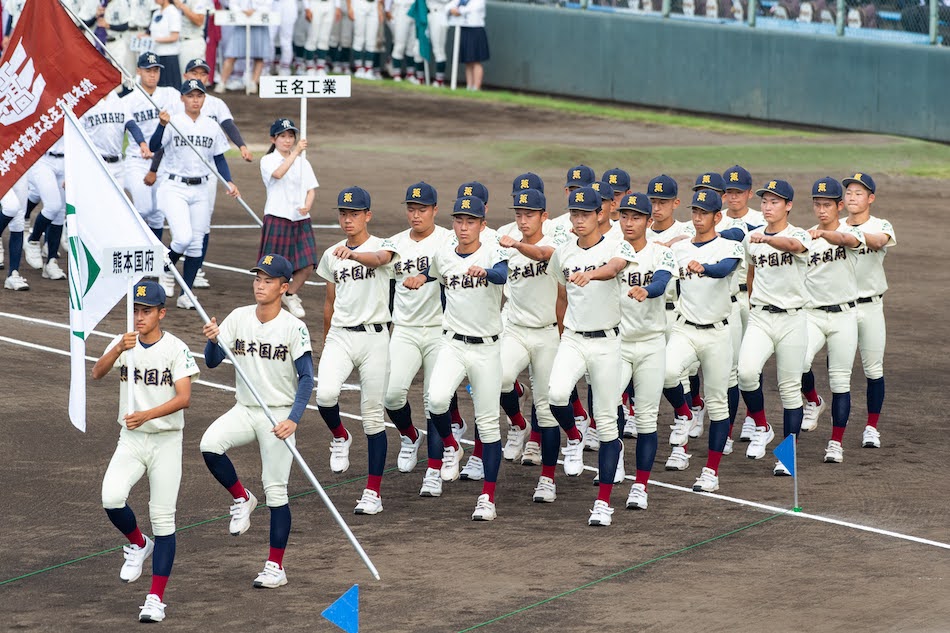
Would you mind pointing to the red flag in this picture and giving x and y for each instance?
(44, 70)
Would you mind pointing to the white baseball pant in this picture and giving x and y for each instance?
(402, 26)
(192, 48)
(284, 32)
(784, 334)
(341, 34)
(839, 330)
(365, 25)
(712, 348)
(144, 198)
(47, 177)
(318, 29)
(188, 215)
(409, 349)
(438, 29)
(534, 348)
(20, 190)
(872, 337)
(368, 352)
(645, 362)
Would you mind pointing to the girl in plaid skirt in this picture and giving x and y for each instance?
(291, 189)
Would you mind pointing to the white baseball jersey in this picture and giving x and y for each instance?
(266, 353)
(596, 306)
(675, 230)
(422, 307)
(105, 124)
(362, 293)
(739, 275)
(705, 300)
(141, 13)
(286, 195)
(146, 115)
(562, 222)
(157, 368)
(779, 276)
(642, 320)
(472, 304)
(204, 133)
(216, 109)
(532, 292)
(190, 30)
(118, 12)
(830, 275)
(13, 8)
(615, 235)
(753, 219)
(870, 264)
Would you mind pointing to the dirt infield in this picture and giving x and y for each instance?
(689, 563)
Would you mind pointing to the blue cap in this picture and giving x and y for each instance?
(191, 85)
(149, 293)
(282, 125)
(584, 199)
(149, 60)
(707, 200)
(469, 205)
(530, 199)
(710, 180)
(618, 179)
(197, 63)
(274, 265)
(663, 187)
(604, 189)
(861, 179)
(637, 201)
(827, 187)
(473, 188)
(528, 181)
(779, 187)
(355, 198)
(737, 177)
(422, 193)
(580, 176)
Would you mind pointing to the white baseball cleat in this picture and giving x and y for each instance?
(679, 459)
(699, 417)
(638, 498)
(582, 422)
(369, 503)
(871, 438)
(33, 254)
(573, 458)
(834, 454)
(167, 282)
(219, 88)
(15, 282)
(531, 455)
(185, 303)
(241, 511)
(153, 610)
(727, 449)
(458, 430)
(780, 471)
(294, 305)
(630, 427)
(451, 463)
(134, 560)
(760, 440)
(272, 577)
(545, 491)
(679, 433)
(408, 453)
(431, 483)
(484, 509)
(600, 514)
(201, 281)
(474, 469)
(514, 447)
(812, 411)
(340, 453)
(748, 430)
(52, 271)
(591, 441)
(708, 481)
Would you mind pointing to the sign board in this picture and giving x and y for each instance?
(305, 87)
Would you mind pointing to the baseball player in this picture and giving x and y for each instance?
(192, 34)
(46, 179)
(291, 189)
(777, 254)
(283, 36)
(183, 198)
(472, 273)
(402, 26)
(872, 284)
(12, 212)
(590, 344)
(579, 176)
(438, 36)
(830, 314)
(150, 440)
(320, 16)
(13, 9)
(273, 349)
(341, 42)
(114, 16)
(417, 322)
(106, 124)
(643, 270)
(358, 270)
(367, 15)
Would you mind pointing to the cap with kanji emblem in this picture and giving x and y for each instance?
(779, 187)
(861, 179)
(827, 187)
(580, 176)
(149, 293)
(584, 199)
(469, 205)
(149, 60)
(473, 188)
(274, 265)
(530, 199)
(707, 200)
(663, 187)
(528, 181)
(422, 193)
(355, 198)
(282, 125)
(637, 201)
(710, 180)
(737, 177)
(191, 85)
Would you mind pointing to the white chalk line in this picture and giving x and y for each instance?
(743, 502)
(244, 271)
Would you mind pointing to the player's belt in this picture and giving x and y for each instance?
(733, 299)
(472, 340)
(55, 155)
(706, 326)
(777, 310)
(670, 305)
(369, 327)
(838, 307)
(599, 333)
(870, 299)
(189, 181)
(743, 287)
(111, 159)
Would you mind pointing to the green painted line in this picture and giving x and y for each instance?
(621, 572)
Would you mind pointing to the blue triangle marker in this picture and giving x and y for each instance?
(345, 612)
(785, 453)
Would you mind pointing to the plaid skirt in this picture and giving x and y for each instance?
(292, 239)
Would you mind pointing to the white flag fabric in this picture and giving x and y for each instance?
(98, 216)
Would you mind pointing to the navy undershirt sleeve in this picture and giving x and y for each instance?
(720, 269)
(214, 354)
(135, 131)
(658, 286)
(155, 143)
(118, 28)
(222, 166)
(734, 234)
(304, 366)
(497, 274)
(230, 129)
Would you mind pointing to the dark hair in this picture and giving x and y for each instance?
(272, 148)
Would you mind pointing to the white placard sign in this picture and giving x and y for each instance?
(223, 17)
(140, 44)
(305, 87)
(128, 261)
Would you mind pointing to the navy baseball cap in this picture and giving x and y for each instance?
(584, 199)
(149, 60)
(827, 187)
(861, 179)
(618, 179)
(528, 181)
(604, 189)
(580, 176)
(663, 187)
(737, 177)
(473, 188)
(707, 200)
(197, 63)
(530, 199)
(282, 125)
(710, 180)
(149, 293)
(637, 201)
(469, 205)
(191, 85)
(422, 193)
(355, 198)
(779, 187)
(274, 265)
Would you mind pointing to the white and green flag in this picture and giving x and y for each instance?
(99, 217)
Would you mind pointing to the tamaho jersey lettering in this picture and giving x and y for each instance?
(203, 133)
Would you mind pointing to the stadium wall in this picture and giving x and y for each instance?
(721, 69)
